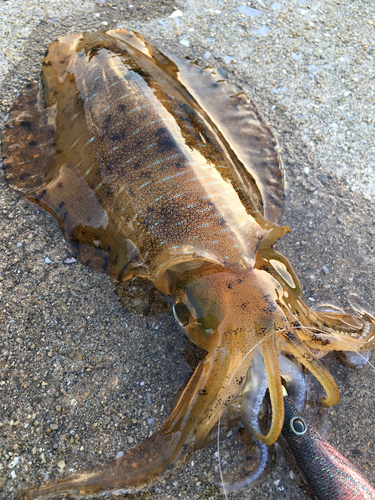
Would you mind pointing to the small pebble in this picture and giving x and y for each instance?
(14, 462)
(70, 260)
(262, 31)
(176, 13)
(185, 42)
(249, 11)
(61, 464)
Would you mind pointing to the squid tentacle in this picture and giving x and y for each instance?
(252, 397)
(334, 324)
(323, 330)
(275, 389)
(251, 400)
(316, 367)
(256, 474)
(297, 387)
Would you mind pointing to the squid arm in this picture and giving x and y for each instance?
(319, 330)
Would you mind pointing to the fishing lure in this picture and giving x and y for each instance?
(324, 470)
(155, 167)
(327, 472)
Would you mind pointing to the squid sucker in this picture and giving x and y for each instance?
(157, 167)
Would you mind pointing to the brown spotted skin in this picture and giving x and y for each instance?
(154, 166)
(150, 172)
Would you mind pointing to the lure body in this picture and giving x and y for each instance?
(327, 472)
(156, 167)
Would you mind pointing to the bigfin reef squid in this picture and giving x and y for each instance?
(157, 167)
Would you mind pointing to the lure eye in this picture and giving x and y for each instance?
(298, 426)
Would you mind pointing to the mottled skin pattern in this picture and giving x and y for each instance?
(328, 473)
(156, 167)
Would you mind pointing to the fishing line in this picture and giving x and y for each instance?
(218, 456)
(249, 352)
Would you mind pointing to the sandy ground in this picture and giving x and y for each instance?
(81, 376)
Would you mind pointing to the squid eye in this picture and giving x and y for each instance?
(298, 426)
(181, 313)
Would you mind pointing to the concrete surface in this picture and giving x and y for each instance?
(75, 365)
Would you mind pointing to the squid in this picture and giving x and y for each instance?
(157, 167)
